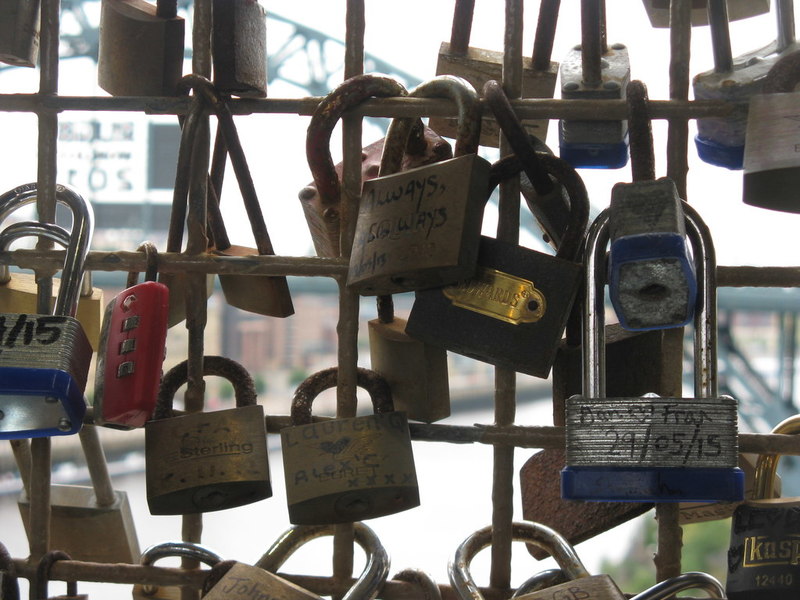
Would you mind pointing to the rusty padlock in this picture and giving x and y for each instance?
(418, 229)
(40, 584)
(156, 552)
(415, 371)
(345, 470)
(141, 48)
(19, 32)
(202, 462)
(239, 47)
(478, 66)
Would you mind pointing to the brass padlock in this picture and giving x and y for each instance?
(233, 579)
(202, 462)
(19, 32)
(239, 47)
(166, 549)
(418, 229)
(40, 584)
(415, 371)
(322, 210)
(141, 48)
(478, 66)
(345, 470)
(376, 568)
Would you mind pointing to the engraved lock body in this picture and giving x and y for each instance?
(764, 553)
(513, 311)
(45, 370)
(202, 462)
(239, 48)
(345, 470)
(720, 141)
(126, 28)
(376, 567)
(478, 65)
(129, 364)
(651, 448)
(594, 70)
(240, 580)
(163, 550)
(418, 229)
(579, 584)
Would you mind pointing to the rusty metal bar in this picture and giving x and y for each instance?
(98, 468)
(670, 541)
(39, 534)
(678, 133)
(22, 456)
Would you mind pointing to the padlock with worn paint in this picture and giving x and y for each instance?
(415, 371)
(771, 167)
(206, 461)
(419, 228)
(651, 278)
(658, 11)
(41, 582)
(19, 32)
(580, 583)
(686, 581)
(322, 208)
(376, 568)
(129, 364)
(141, 48)
(764, 558)
(513, 312)
(261, 294)
(345, 470)
(162, 550)
(478, 66)
(593, 70)
(720, 141)
(44, 372)
(239, 47)
(651, 448)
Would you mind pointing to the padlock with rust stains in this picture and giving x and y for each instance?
(239, 47)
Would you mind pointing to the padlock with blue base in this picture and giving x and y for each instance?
(45, 361)
(650, 448)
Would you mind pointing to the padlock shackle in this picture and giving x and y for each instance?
(371, 579)
(784, 13)
(706, 383)
(376, 386)
(454, 88)
(540, 535)
(40, 585)
(767, 464)
(151, 264)
(9, 584)
(540, 581)
(51, 231)
(244, 388)
(593, 41)
(692, 580)
(720, 35)
(422, 580)
(189, 550)
(640, 132)
(573, 239)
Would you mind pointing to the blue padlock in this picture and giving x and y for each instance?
(649, 448)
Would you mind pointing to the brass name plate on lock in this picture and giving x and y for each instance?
(500, 296)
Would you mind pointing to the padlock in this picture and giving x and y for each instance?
(322, 210)
(513, 312)
(345, 470)
(156, 552)
(376, 567)
(422, 581)
(685, 581)
(658, 11)
(416, 371)
(478, 66)
(593, 70)
(418, 229)
(540, 581)
(40, 584)
(141, 48)
(764, 554)
(579, 585)
(239, 47)
(19, 32)
(261, 294)
(202, 462)
(720, 141)
(129, 364)
(44, 372)
(770, 163)
(651, 278)
(9, 583)
(232, 579)
(651, 448)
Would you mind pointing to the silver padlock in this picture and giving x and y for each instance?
(376, 569)
(540, 581)
(45, 370)
(720, 140)
(650, 448)
(580, 583)
(156, 552)
(686, 581)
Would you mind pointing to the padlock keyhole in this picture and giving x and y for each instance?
(533, 306)
(654, 292)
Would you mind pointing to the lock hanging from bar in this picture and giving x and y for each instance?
(156, 552)
(651, 448)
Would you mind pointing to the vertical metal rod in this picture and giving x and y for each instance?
(201, 38)
(720, 35)
(680, 33)
(787, 352)
(784, 12)
(22, 456)
(670, 541)
(594, 354)
(98, 468)
(591, 42)
(545, 34)
(39, 536)
(462, 26)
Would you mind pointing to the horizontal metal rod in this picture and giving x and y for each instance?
(526, 108)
